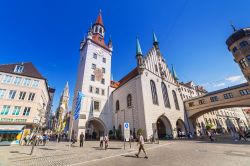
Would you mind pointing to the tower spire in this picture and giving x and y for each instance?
(138, 47)
(174, 73)
(155, 41)
(99, 18)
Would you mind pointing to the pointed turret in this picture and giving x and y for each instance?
(110, 44)
(138, 48)
(139, 57)
(155, 41)
(174, 73)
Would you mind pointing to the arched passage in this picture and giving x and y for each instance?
(164, 127)
(181, 128)
(95, 128)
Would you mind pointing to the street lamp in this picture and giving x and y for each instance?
(37, 130)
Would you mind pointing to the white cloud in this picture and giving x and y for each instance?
(237, 78)
(219, 84)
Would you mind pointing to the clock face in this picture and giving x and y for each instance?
(98, 74)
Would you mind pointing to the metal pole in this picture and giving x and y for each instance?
(123, 131)
(70, 136)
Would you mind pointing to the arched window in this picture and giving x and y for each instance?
(129, 100)
(117, 105)
(165, 95)
(154, 92)
(100, 30)
(175, 100)
(96, 29)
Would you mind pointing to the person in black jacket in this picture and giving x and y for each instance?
(81, 139)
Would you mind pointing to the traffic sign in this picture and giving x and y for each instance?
(126, 131)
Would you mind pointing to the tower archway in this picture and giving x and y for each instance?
(95, 128)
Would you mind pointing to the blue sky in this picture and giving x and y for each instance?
(192, 35)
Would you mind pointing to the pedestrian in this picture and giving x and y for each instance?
(101, 141)
(241, 134)
(141, 146)
(81, 139)
(209, 133)
(106, 139)
(73, 140)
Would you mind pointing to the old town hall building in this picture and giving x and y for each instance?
(147, 97)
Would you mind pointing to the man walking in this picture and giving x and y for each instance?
(141, 146)
(81, 139)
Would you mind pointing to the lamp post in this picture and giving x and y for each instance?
(37, 130)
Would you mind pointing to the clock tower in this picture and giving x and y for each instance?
(93, 80)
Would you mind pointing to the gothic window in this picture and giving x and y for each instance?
(117, 105)
(175, 100)
(165, 95)
(129, 100)
(154, 92)
(243, 63)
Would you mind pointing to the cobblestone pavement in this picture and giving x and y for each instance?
(176, 152)
(60, 153)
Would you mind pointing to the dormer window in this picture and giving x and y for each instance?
(18, 69)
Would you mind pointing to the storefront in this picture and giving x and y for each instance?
(11, 134)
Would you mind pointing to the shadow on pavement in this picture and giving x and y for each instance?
(132, 156)
(19, 152)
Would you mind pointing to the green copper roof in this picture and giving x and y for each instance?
(155, 38)
(138, 47)
(174, 74)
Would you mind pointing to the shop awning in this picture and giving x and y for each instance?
(11, 128)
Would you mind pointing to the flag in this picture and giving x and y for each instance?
(80, 95)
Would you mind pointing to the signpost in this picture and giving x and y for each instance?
(126, 132)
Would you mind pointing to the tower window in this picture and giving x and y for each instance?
(93, 66)
(97, 90)
(96, 105)
(92, 78)
(103, 81)
(243, 44)
(100, 30)
(156, 68)
(95, 56)
(90, 89)
(104, 60)
(96, 29)
(18, 69)
(243, 63)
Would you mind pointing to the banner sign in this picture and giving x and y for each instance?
(80, 95)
